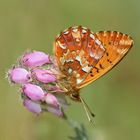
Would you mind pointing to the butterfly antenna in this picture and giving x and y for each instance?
(88, 111)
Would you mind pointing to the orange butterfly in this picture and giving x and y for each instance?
(84, 56)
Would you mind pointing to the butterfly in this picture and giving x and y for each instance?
(84, 56)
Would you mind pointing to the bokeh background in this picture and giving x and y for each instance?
(115, 98)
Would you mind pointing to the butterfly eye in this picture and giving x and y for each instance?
(75, 96)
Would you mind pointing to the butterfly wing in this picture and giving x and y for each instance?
(77, 51)
(84, 56)
(117, 45)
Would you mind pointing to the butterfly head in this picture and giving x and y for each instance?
(75, 96)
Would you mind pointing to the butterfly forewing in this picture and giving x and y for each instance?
(78, 50)
(117, 45)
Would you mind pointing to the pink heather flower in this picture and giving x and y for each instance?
(55, 111)
(51, 87)
(34, 92)
(34, 59)
(51, 100)
(54, 88)
(19, 75)
(41, 91)
(32, 106)
(62, 100)
(44, 76)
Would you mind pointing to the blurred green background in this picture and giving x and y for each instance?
(115, 98)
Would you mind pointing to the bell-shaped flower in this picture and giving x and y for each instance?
(35, 58)
(34, 92)
(51, 100)
(55, 111)
(32, 106)
(19, 75)
(44, 76)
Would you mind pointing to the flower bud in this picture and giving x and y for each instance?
(19, 75)
(55, 111)
(34, 59)
(44, 76)
(32, 106)
(34, 92)
(54, 88)
(51, 100)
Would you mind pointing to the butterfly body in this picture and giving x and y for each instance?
(83, 56)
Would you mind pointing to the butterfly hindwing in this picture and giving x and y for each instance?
(117, 45)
